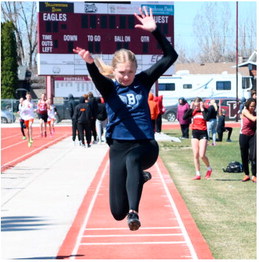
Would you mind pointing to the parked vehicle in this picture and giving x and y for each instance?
(202, 85)
(170, 113)
(63, 110)
(7, 117)
(229, 104)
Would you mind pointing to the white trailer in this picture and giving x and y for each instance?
(203, 85)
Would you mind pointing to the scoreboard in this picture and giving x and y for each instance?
(100, 27)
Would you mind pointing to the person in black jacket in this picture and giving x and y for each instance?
(101, 120)
(71, 110)
(94, 108)
(82, 116)
(212, 120)
(221, 127)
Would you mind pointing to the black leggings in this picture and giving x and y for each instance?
(22, 125)
(220, 133)
(247, 147)
(128, 159)
(84, 130)
(74, 130)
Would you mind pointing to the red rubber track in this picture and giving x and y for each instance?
(167, 231)
(14, 149)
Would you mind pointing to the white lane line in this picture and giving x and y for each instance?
(134, 243)
(9, 137)
(20, 142)
(31, 152)
(89, 211)
(135, 235)
(126, 228)
(178, 217)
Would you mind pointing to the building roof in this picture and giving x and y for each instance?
(252, 60)
(210, 68)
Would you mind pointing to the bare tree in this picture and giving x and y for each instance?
(216, 36)
(247, 36)
(213, 31)
(23, 15)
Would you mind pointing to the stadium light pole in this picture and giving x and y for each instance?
(237, 60)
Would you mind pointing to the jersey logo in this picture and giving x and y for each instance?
(132, 101)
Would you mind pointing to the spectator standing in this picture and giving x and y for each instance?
(247, 139)
(154, 110)
(199, 136)
(101, 120)
(212, 120)
(182, 108)
(82, 116)
(71, 109)
(159, 100)
(221, 126)
(94, 109)
(242, 105)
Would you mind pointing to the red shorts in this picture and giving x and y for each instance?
(27, 122)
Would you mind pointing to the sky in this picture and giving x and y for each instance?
(186, 11)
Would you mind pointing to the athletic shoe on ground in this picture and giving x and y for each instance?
(229, 140)
(253, 179)
(24, 137)
(246, 178)
(29, 143)
(196, 178)
(88, 145)
(208, 174)
(147, 176)
(133, 221)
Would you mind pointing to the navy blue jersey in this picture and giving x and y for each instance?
(127, 106)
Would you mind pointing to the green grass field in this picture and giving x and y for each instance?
(224, 208)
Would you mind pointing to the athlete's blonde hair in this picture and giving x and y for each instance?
(120, 56)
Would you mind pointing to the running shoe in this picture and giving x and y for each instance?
(253, 179)
(24, 137)
(29, 143)
(208, 174)
(196, 178)
(147, 176)
(133, 221)
(246, 178)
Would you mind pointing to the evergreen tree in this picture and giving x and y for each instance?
(9, 66)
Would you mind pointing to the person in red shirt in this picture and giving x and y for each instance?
(199, 115)
(42, 110)
(159, 100)
(154, 110)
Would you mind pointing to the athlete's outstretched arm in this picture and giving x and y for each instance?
(146, 19)
(85, 54)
